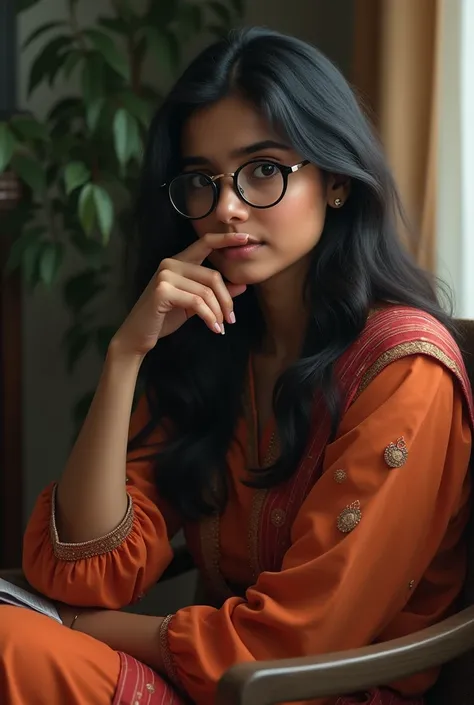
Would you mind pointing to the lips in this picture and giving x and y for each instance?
(250, 241)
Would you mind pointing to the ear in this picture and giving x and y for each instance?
(337, 190)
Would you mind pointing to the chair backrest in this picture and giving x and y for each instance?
(456, 683)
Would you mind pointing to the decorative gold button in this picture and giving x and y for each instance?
(396, 454)
(278, 517)
(411, 584)
(340, 476)
(150, 687)
(349, 517)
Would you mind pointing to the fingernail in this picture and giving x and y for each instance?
(232, 317)
(241, 236)
(222, 329)
(217, 328)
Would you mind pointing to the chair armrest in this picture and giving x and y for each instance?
(289, 680)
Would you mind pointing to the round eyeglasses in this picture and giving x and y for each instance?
(259, 183)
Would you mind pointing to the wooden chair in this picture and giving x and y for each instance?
(449, 644)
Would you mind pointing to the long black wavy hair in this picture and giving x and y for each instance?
(195, 380)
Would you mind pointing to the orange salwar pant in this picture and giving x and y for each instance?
(44, 663)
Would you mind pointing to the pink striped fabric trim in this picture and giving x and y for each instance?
(140, 685)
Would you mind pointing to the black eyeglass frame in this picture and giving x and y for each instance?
(284, 170)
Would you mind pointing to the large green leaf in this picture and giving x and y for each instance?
(136, 106)
(7, 145)
(81, 289)
(106, 46)
(30, 263)
(39, 31)
(30, 237)
(62, 147)
(28, 127)
(92, 77)
(159, 45)
(87, 210)
(47, 62)
(105, 211)
(65, 109)
(94, 112)
(30, 171)
(221, 11)
(75, 174)
(115, 24)
(70, 62)
(127, 136)
(50, 260)
(90, 249)
(175, 49)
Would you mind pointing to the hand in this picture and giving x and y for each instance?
(180, 289)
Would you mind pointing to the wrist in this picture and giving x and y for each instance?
(118, 355)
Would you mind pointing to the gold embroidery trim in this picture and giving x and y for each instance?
(166, 655)
(89, 549)
(211, 554)
(416, 347)
(210, 526)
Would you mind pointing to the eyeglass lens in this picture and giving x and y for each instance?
(260, 184)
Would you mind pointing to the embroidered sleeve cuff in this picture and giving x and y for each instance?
(166, 655)
(88, 549)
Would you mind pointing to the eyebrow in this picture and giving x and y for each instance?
(241, 152)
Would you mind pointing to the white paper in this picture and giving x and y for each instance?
(11, 594)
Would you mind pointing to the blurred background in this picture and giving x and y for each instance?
(78, 82)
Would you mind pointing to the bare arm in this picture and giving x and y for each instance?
(135, 634)
(91, 495)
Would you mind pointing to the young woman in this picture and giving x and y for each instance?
(306, 417)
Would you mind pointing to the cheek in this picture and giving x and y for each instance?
(302, 212)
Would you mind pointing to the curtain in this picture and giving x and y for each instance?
(396, 73)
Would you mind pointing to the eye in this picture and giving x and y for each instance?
(265, 171)
(198, 181)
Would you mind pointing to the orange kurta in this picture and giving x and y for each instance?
(398, 571)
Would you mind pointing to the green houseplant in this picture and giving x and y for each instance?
(79, 165)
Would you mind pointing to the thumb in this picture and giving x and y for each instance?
(236, 289)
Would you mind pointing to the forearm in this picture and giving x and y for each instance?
(91, 496)
(135, 634)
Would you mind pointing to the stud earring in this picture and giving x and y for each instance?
(338, 202)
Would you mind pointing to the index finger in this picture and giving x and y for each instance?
(202, 248)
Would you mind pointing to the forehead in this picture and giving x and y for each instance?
(224, 127)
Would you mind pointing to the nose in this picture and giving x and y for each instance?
(230, 208)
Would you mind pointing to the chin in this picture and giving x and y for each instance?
(247, 275)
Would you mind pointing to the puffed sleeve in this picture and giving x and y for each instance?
(114, 570)
(381, 525)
